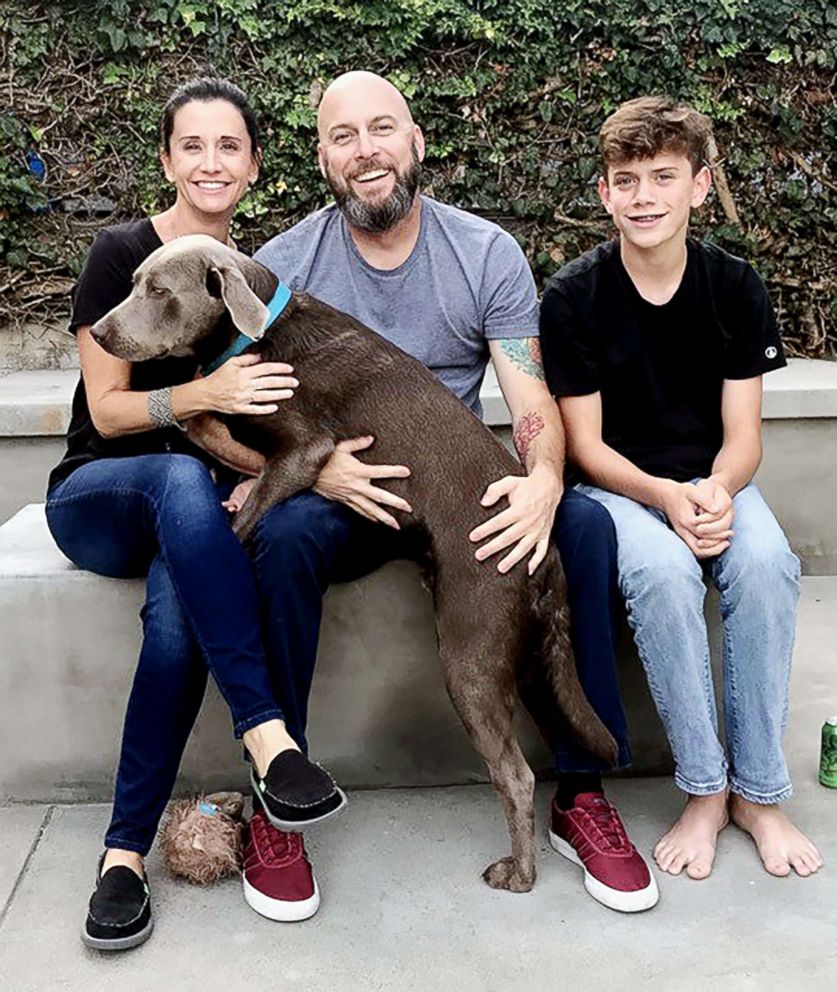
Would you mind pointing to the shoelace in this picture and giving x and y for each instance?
(608, 824)
(274, 845)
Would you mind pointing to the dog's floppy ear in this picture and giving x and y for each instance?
(248, 312)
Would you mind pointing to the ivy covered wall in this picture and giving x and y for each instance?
(510, 94)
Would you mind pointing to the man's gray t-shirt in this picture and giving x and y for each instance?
(465, 281)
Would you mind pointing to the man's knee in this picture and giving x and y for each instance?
(306, 524)
(582, 525)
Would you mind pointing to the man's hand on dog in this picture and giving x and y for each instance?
(348, 480)
(527, 521)
(246, 384)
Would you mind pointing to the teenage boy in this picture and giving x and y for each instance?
(655, 345)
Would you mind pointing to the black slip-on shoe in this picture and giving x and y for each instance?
(296, 793)
(119, 915)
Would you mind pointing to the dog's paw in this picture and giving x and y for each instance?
(508, 874)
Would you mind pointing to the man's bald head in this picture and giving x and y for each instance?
(360, 88)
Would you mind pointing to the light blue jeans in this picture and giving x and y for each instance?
(757, 578)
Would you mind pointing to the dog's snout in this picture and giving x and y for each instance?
(99, 331)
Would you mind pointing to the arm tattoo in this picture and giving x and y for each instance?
(525, 354)
(527, 429)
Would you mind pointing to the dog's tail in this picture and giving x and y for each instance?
(558, 665)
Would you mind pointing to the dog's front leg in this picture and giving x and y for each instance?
(208, 432)
(283, 475)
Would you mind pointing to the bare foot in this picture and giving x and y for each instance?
(690, 843)
(780, 845)
(130, 859)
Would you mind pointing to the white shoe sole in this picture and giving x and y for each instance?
(622, 902)
(281, 910)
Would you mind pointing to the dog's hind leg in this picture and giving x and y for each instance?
(484, 697)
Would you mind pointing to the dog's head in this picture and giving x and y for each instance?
(180, 293)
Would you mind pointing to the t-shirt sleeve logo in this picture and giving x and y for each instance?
(771, 352)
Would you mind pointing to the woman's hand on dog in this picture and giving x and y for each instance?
(526, 522)
(348, 480)
(246, 384)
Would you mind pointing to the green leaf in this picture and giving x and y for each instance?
(730, 49)
(112, 73)
(781, 53)
(116, 36)
(17, 258)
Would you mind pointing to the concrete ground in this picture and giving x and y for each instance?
(404, 908)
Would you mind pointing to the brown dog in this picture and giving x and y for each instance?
(499, 635)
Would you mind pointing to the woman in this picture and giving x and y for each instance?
(133, 496)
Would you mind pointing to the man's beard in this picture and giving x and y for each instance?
(382, 215)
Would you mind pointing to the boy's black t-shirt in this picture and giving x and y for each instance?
(659, 369)
(106, 281)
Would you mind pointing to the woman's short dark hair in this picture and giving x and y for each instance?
(204, 89)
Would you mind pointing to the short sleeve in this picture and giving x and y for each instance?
(277, 255)
(508, 294)
(753, 342)
(570, 355)
(105, 280)
(272, 256)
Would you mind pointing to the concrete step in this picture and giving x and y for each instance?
(380, 714)
(797, 475)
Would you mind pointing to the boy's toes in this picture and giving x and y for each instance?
(813, 856)
(777, 866)
(699, 868)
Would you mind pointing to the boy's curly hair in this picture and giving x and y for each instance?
(642, 128)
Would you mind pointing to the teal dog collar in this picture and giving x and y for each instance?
(275, 306)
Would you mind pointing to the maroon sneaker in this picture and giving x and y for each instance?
(592, 835)
(278, 879)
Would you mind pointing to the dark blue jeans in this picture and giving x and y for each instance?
(304, 544)
(161, 515)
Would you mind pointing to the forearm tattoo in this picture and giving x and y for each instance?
(527, 429)
(525, 354)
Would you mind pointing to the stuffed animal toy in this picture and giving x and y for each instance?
(202, 838)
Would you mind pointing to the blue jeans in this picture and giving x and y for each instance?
(161, 515)
(303, 545)
(757, 578)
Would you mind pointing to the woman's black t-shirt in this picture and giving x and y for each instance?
(106, 281)
(660, 369)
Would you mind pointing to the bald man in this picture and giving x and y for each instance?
(451, 289)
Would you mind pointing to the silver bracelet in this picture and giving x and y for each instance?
(160, 411)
